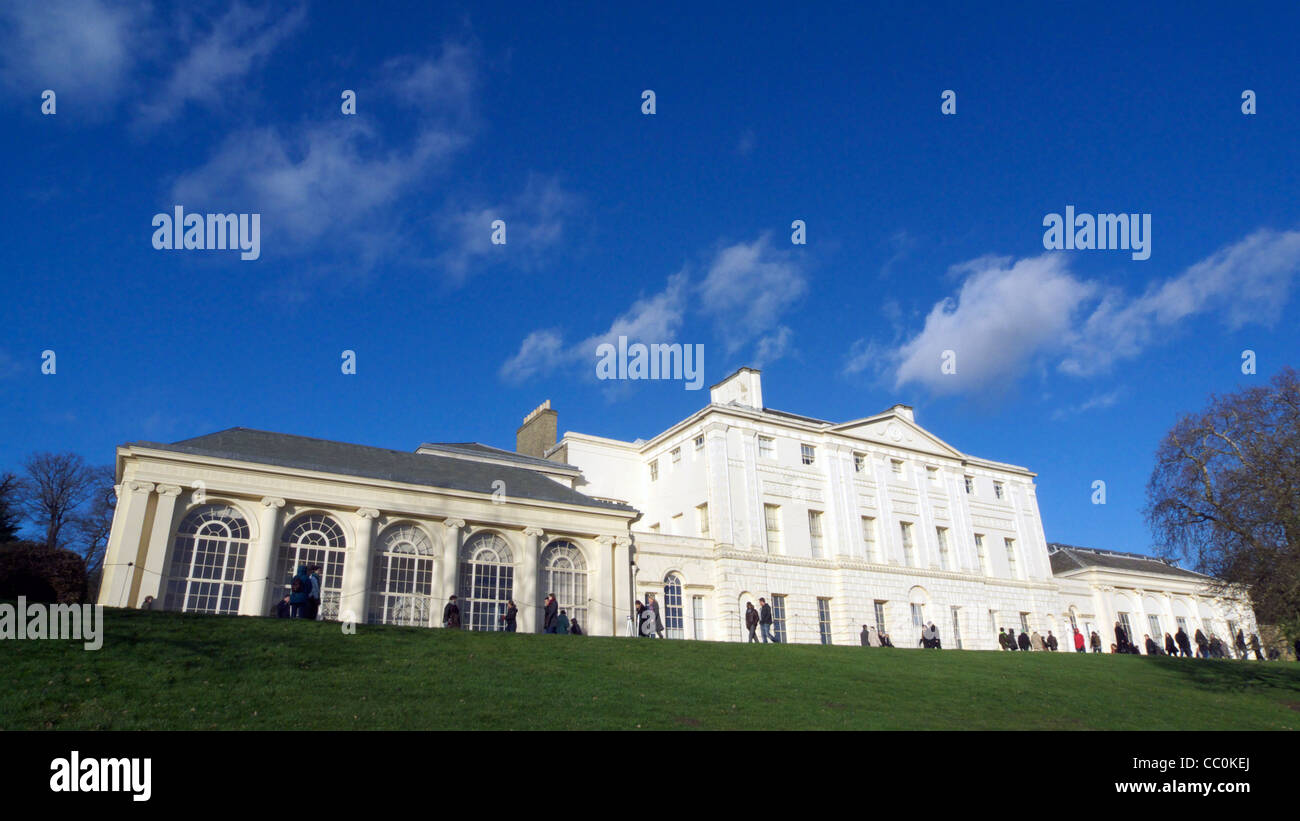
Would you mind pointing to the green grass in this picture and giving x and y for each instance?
(173, 671)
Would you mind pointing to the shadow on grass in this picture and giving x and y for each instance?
(1234, 675)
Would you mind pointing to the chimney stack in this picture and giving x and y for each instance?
(537, 434)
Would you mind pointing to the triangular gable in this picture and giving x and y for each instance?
(892, 428)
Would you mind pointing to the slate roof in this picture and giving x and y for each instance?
(306, 453)
(1066, 557)
(477, 449)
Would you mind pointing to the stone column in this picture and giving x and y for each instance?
(261, 559)
(620, 582)
(603, 591)
(526, 595)
(152, 580)
(356, 573)
(123, 541)
(451, 545)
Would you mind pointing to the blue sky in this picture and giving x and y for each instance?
(924, 231)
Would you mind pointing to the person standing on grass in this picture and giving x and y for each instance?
(1079, 645)
(1036, 642)
(1171, 649)
(313, 596)
(1096, 642)
(1003, 641)
(282, 609)
(1121, 637)
(1051, 641)
(1202, 645)
(654, 608)
(1011, 640)
(866, 637)
(1153, 649)
(647, 621)
(1184, 645)
(575, 629)
(298, 589)
(451, 614)
(550, 614)
(1023, 641)
(1254, 645)
(511, 617)
(1241, 644)
(562, 624)
(751, 622)
(765, 621)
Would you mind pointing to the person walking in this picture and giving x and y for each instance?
(1153, 649)
(1036, 642)
(1051, 641)
(1202, 645)
(645, 620)
(299, 587)
(1023, 641)
(1254, 646)
(1012, 644)
(751, 622)
(562, 624)
(765, 621)
(654, 608)
(1096, 642)
(1079, 644)
(866, 637)
(451, 614)
(1241, 644)
(551, 614)
(511, 617)
(1003, 641)
(1171, 649)
(1184, 644)
(1121, 638)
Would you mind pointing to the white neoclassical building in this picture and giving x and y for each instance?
(871, 521)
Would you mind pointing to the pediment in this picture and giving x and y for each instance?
(893, 429)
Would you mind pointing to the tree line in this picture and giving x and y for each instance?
(56, 512)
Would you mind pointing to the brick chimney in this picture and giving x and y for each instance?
(538, 431)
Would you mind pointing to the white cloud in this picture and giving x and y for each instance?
(1006, 316)
(747, 288)
(234, 44)
(82, 49)
(534, 219)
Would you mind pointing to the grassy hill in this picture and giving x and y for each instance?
(173, 671)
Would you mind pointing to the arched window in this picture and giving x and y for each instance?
(401, 581)
(486, 579)
(564, 573)
(314, 538)
(674, 619)
(207, 570)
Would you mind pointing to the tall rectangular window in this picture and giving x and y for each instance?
(956, 628)
(869, 538)
(677, 455)
(1128, 628)
(1024, 622)
(909, 557)
(1011, 557)
(702, 517)
(808, 454)
(997, 489)
(697, 610)
(815, 533)
(654, 471)
(766, 447)
(979, 551)
(944, 559)
(970, 485)
(1156, 633)
(699, 442)
(824, 619)
(859, 462)
(778, 617)
(880, 617)
(918, 615)
(772, 519)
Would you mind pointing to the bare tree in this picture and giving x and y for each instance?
(1225, 494)
(54, 488)
(93, 524)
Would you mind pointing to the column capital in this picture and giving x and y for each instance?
(367, 513)
(453, 524)
(534, 531)
(622, 541)
(139, 487)
(167, 490)
(605, 540)
(272, 501)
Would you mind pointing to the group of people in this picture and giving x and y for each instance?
(871, 637)
(648, 623)
(760, 618)
(1178, 644)
(554, 619)
(1025, 642)
(303, 599)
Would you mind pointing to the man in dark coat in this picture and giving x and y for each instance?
(1241, 644)
(1153, 649)
(1184, 644)
(511, 617)
(1096, 642)
(1254, 646)
(550, 618)
(451, 614)
(1121, 638)
(1051, 641)
(314, 596)
(765, 621)
(1202, 645)
(751, 623)
(1023, 641)
(866, 637)
(1171, 649)
(1011, 640)
(1002, 638)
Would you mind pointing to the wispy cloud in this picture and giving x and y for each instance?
(535, 222)
(1007, 315)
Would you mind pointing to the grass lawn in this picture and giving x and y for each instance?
(172, 671)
